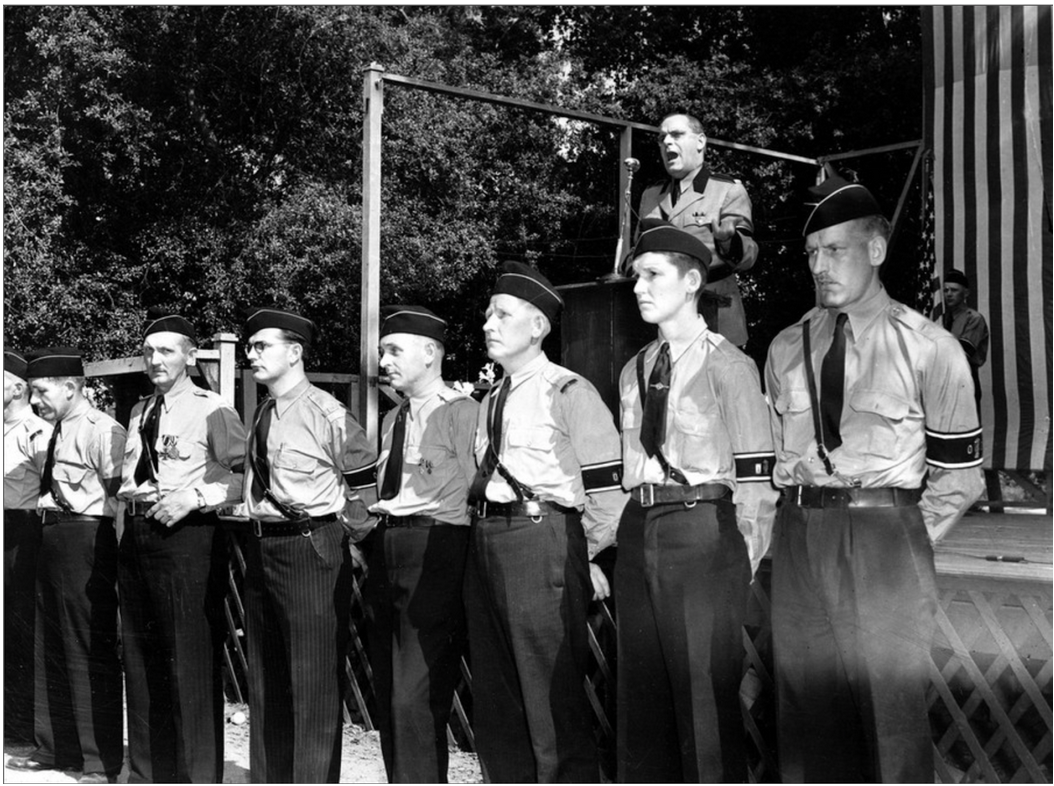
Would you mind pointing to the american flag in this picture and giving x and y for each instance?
(988, 73)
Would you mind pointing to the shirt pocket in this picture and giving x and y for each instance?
(877, 417)
(693, 441)
(73, 476)
(432, 460)
(795, 411)
(295, 465)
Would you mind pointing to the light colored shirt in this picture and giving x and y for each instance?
(438, 462)
(907, 385)
(26, 438)
(200, 445)
(88, 455)
(555, 427)
(312, 444)
(716, 419)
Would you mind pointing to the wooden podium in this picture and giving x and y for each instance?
(600, 331)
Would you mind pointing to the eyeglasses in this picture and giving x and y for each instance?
(260, 346)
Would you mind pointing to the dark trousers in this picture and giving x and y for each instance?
(681, 585)
(853, 603)
(21, 544)
(171, 585)
(417, 639)
(297, 600)
(78, 703)
(527, 589)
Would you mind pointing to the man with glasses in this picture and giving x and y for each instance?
(715, 209)
(310, 476)
(184, 460)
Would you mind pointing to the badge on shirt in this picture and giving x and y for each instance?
(701, 219)
(170, 448)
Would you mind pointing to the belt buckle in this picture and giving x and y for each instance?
(257, 529)
(533, 508)
(481, 509)
(305, 527)
(647, 500)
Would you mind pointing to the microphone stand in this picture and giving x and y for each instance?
(632, 165)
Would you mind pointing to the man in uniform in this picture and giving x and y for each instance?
(966, 325)
(185, 459)
(878, 453)
(547, 497)
(79, 718)
(26, 438)
(697, 459)
(417, 562)
(713, 208)
(310, 474)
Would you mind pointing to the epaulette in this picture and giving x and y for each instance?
(568, 383)
(95, 415)
(910, 317)
(327, 404)
(726, 178)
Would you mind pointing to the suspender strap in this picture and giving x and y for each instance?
(668, 470)
(814, 399)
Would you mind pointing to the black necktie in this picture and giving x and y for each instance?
(494, 428)
(832, 387)
(261, 469)
(393, 470)
(46, 476)
(146, 468)
(675, 193)
(653, 426)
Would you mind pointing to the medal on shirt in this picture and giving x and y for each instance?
(427, 466)
(170, 448)
(701, 219)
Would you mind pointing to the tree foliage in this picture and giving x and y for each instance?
(208, 158)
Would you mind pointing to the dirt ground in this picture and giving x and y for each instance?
(361, 760)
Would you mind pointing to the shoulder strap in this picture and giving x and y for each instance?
(814, 399)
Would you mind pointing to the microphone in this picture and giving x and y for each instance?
(631, 164)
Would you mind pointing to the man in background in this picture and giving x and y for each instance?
(715, 209)
(966, 325)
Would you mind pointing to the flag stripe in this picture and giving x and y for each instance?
(988, 116)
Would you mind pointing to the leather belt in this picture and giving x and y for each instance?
(55, 516)
(138, 507)
(829, 497)
(304, 526)
(410, 522)
(530, 508)
(649, 494)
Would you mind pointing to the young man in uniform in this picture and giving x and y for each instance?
(310, 473)
(79, 718)
(547, 497)
(697, 459)
(713, 208)
(26, 437)
(185, 459)
(417, 560)
(878, 453)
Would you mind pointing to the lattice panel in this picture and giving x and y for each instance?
(989, 699)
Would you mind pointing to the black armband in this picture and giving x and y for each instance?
(361, 478)
(953, 451)
(754, 467)
(602, 477)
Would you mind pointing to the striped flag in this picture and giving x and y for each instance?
(988, 77)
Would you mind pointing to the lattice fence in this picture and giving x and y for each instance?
(990, 696)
